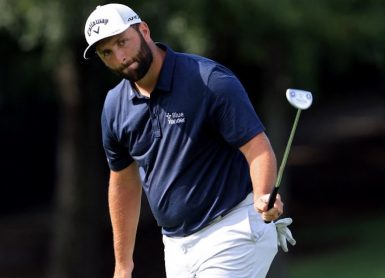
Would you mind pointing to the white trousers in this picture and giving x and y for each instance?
(238, 245)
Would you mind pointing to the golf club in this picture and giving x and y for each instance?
(301, 100)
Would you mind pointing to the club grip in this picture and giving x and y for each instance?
(272, 198)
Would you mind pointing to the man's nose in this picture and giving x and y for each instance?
(121, 56)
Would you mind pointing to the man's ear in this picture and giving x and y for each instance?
(145, 30)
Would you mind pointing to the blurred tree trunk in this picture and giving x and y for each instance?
(275, 106)
(276, 132)
(76, 244)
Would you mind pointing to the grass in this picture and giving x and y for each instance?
(352, 248)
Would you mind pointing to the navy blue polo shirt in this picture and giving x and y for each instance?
(185, 139)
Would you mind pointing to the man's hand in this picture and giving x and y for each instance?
(260, 205)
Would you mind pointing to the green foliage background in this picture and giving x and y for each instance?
(307, 36)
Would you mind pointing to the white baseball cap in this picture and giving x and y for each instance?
(107, 21)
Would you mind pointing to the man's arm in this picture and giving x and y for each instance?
(263, 171)
(124, 198)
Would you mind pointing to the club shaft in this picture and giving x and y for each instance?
(287, 150)
(284, 160)
(274, 193)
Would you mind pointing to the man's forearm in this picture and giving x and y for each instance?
(263, 171)
(124, 198)
(262, 162)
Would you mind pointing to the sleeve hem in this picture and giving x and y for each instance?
(250, 135)
(120, 166)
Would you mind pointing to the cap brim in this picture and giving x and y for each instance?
(89, 52)
(91, 49)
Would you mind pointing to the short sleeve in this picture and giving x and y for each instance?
(117, 155)
(232, 112)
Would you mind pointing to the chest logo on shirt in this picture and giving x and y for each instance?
(175, 118)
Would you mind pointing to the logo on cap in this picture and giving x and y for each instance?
(133, 18)
(94, 23)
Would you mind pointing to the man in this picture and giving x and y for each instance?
(181, 127)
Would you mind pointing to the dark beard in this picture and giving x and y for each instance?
(143, 58)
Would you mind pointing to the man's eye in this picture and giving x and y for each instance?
(106, 53)
(122, 42)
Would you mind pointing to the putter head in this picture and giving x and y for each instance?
(299, 98)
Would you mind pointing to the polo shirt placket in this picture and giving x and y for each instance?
(154, 115)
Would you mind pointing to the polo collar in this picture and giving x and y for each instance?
(166, 73)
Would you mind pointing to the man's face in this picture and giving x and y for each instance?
(126, 54)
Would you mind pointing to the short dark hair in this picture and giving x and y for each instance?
(136, 26)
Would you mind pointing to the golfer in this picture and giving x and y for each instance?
(181, 128)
